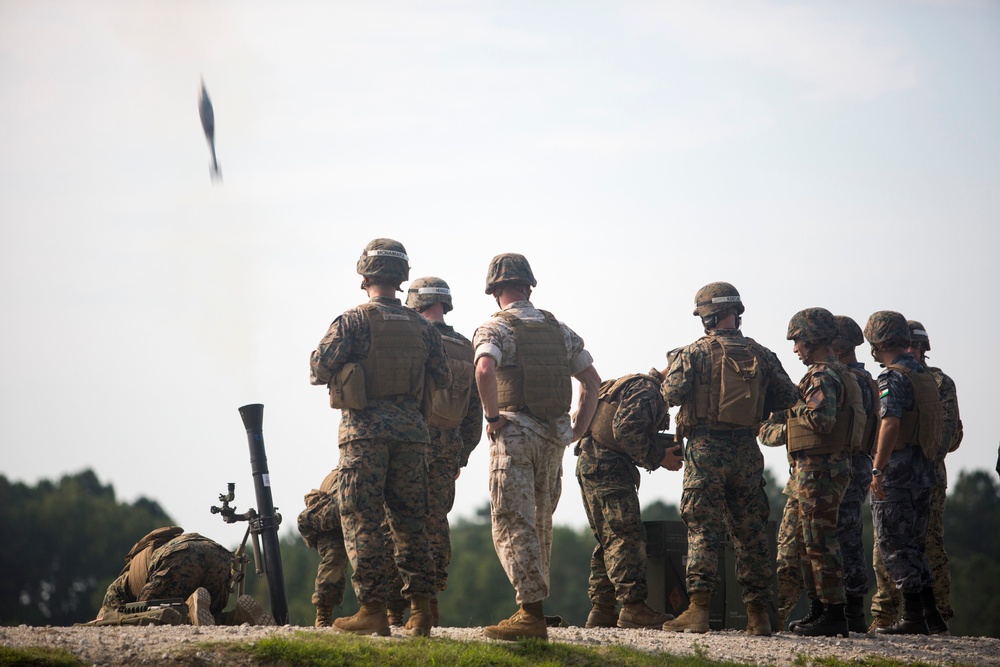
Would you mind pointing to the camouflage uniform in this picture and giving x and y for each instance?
(886, 601)
(319, 525)
(724, 475)
(850, 525)
(383, 464)
(172, 569)
(900, 520)
(609, 481)
(526, 463)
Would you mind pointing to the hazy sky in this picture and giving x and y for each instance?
(844, 155)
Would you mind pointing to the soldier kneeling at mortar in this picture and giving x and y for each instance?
(182, 578)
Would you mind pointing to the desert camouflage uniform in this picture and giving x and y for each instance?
(319, 525)
(900, 520)
(724, 476)
(887, 600)
(609, 481)
(174, 569)
(383, 464)
(526, 463)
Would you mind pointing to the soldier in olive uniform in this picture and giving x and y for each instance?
(169, 563)
(903, 471)
(319, 525)
(376, 359)
(624, 434)
(821, 431)
(524, 361)
(885, 603)
(723, 465)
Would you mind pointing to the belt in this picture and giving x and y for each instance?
(723, 432)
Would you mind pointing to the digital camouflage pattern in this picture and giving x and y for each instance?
(717, 297)
(383, 464)
(849, 334)
(887, 329)
(384, 261)
(813, 325)
(526, 463)
(609, 481)
(176, 570)
(724, 476)
(850, 526)
(509, 267)
(425, 292)
(319, 525)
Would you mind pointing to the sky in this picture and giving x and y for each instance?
(843, 155)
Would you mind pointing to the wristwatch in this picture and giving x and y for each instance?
(492, 420)
(876, 472)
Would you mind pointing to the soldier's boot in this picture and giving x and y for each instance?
(249, 611)
(198, 604)
(855, 613)
(324, 616)
(758, 622)
(526, 623)
(602, 616)
(695, 617)
(831, 623)
(879, 622)
(640, 615)
(815, 609)
(554, 621)
(936, 625)
(395, 614)
(421, 620)
(370, 620)
(435, 614)
(912, 621)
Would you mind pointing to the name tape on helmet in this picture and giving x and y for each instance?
(720, 299)
(434, 290)
(388, 253)
(919, 332)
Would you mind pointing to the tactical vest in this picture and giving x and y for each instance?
(955, 437)
(923, 424)
(397, 355)
(870, 437)
(540, 379)
(735, 392)
(848, 430)
(449, 406)
(608, 400)
(138, 558)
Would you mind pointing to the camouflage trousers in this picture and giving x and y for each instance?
(724, 488)
(900, 526)
(618, 564)
(788, 567)
(176, 571)
(379, 479)
(319, 525)
(819, 486)
(525, 485)
(886, 601)
(850, 526)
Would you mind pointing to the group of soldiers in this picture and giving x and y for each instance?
(413, 394)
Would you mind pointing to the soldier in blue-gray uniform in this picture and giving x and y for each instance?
(624, 434)
(376, 360)
(723, 465)
(903, 471)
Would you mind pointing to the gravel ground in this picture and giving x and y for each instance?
(120, 646)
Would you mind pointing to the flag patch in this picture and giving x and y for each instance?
(885, 392)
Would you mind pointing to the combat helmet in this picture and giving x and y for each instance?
(887, 329)
(509, 267)
(424, 292)
(918, 334)
(714, 298)
(815, 326)
(384, 261)
(849, 334)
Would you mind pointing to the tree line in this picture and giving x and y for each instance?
(65, 541)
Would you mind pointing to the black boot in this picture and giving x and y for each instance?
(814, 612)
(912, 621)
(855, 613)
(830, 623)
(936, 625)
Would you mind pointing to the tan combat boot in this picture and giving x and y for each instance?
(370, 620)
(395, 615)
(639, 615)
(527, 622)
(758, 622)
(198, 604)
(248, 610)
(695, 617)
(602, 616)
(879, 622)
(324, 616)
(421, 620)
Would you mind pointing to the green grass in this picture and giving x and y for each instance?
(38, 657)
